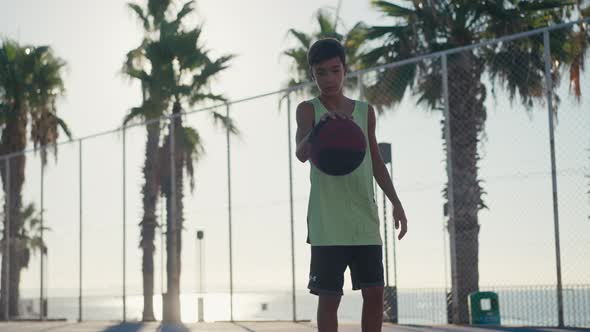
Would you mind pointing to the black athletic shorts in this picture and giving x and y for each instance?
(328, 264)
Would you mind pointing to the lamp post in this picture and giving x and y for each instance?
(200, 303)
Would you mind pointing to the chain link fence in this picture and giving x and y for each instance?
(490, 150)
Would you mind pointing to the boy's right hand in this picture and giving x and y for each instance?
(335, 115)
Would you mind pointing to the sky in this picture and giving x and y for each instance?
(517, 231)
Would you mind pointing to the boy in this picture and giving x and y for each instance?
(343, 223)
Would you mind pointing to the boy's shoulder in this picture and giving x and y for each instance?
(366, 105)
(305, 109)
(305, 105)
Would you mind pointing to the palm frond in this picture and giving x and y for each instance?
(28, 211)
(376, 32)
(134, 61)
(356, 36)
(543, 5)
(430, 89)
(303, 38)
(391, 9)
(225, 122)
(157, 9)
(63, 126)
(325, 22)
(209, 70)
(197, 97)
(135, 113)
(140, 14)
(372, 57)
(187, 8)
(193, 150)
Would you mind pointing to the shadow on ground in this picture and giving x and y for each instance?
(135, 327)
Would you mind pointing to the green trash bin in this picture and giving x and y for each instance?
(484, 308)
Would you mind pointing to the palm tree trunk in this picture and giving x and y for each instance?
(174, 224)
(13, 140)
(16, 251)
(466, 97)
(149, 222)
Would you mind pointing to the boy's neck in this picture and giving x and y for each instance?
(333, 102)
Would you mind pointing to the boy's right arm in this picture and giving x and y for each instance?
(305, 120)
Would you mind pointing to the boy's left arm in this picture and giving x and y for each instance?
(382, 177)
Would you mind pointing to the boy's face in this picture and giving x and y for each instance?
(329, 76)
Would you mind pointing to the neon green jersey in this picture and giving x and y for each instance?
(342, 209)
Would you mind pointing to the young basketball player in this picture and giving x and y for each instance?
(343, 224)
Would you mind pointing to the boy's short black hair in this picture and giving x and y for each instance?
(325, 49)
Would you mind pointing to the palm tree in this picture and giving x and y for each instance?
(578, 47)
(181, 72)
(193, 70)
(30, 238)
(30, 83)
(149, 68)
(30, 235)
(578, 50)
(422, 27)
(328, 26)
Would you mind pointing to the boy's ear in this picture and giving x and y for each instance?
(311, 74)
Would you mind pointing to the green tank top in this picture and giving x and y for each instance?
(342, 209)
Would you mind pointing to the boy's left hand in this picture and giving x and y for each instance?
(399, 218)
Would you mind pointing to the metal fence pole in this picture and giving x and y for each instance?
(80, 197)
(42, 263)
(549, 91)
(447, 115)
(393, 242)
(124, 227)
(171, 291)
(385, 152)
(386, 238)
(162, 224)
(229, 218)
(294, 298)
(7, 252)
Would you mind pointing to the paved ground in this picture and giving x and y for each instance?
(240, 327)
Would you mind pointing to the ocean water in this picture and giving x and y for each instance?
(518, 306)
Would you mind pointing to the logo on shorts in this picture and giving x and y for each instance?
(313, 278)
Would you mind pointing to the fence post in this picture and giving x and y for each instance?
(80, 206)
(42, 263)
(294, 298)
(549, 92)
(229, 217)
(124, 194)
(6, 257)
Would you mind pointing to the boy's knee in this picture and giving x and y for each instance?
(373, 293)
(329, 302)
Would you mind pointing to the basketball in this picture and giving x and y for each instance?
(338, 147)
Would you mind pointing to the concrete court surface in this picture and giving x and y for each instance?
(245, 327)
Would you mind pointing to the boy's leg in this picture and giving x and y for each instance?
(372, 309)
(326, 278)
(328, 313)
(366, 270)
